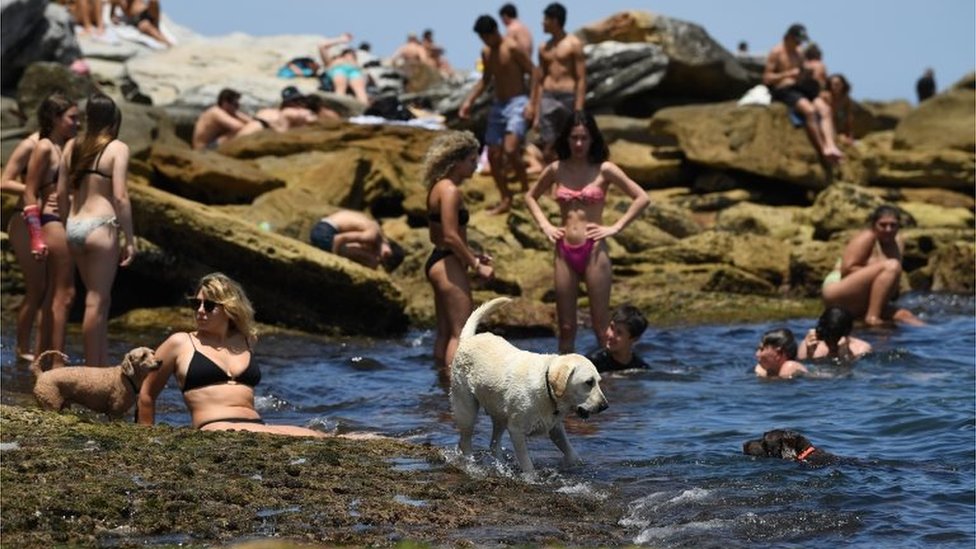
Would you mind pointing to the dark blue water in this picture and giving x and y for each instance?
(669, 447)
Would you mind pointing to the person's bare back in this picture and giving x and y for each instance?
(515, 30)
(215, 125)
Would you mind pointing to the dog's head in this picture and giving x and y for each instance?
(778, 443)
(575, 385)
(138, 362)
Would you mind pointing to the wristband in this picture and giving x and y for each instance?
(32, 216)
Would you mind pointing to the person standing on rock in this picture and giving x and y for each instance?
(220, 122)
(789, 83)
(579, 181)
(561, 87)
(92, 183)
(867, 276)
(506, 66)
(515, 29)
(451, 159)
(925, 85)
(44, 216)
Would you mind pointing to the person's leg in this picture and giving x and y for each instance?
(567, 286)
(496, 159)
(826, 115)
(882, 288)
(811, 125)
(451, 285)
(358, 86)
(97, 264)
(60, 284)
(35, 281)
(598, 283)
(340, 81)
(512, 148)
(851, 293)
(148, 28)
(907, 317)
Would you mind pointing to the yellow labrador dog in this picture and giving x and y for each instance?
(111, 390)
(523, 392)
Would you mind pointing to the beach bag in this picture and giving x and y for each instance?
(325, 82)
(390, 108)
(305, 64)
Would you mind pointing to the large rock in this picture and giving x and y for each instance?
(756, 140)
(698, 67)
(33, 30)
(640, 162)
(944, 122)
(617, 72)
(41, 79)
(842, 207)
(290, 283)
(208, 177)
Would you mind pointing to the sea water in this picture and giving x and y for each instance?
(903, 421)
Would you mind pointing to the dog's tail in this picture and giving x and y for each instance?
(471, 326)
(37, 367)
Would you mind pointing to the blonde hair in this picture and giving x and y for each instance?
(230, 295)
(447, 150)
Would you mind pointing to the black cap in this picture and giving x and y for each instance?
(291, 93)
(798, 31)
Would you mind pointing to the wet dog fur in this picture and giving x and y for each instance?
(790, 445)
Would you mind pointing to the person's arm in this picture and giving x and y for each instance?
(328, 43)
(539, 188)
(16, 165)
(37, 168)
(228, 122)
(857, 252)
(772, 77)
(464, 111)
(120, 194)
(155, 381)
(523, 61)
(617, 177)
(579, 67)
(808, 349)
(535, 98)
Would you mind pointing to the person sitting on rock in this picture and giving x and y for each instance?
(627, 324)
(356, 236)
(791, 84)
(412, 52)
(141, 14)
(220, 122)
(838, 96)
(776, 355)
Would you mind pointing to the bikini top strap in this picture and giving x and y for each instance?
(99, 157)
(191, 342)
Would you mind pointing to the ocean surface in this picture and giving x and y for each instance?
(902, 420)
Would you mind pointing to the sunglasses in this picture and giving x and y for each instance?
(208, 305)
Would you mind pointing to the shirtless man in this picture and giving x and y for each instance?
(294, 112)
(506, 64)
(561, 88)
(220, 122)
(515, 29)
(790, 84)
(410, 53)
(358, 237)
(435, 53)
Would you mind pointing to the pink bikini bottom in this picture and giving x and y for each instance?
(578, 256)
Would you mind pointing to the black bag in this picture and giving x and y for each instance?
(390, 108)
(325, 82)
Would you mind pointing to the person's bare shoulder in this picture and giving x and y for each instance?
(792, 368)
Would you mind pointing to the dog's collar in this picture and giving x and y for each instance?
(806, 453)
(555, 405)
(132, 384)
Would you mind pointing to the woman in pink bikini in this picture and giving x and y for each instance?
(582, 177)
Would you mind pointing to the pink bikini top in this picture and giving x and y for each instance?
(591, 194)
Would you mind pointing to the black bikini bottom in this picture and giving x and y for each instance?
(436, 255)
(258, 421)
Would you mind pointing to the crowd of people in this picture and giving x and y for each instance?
(76, 214)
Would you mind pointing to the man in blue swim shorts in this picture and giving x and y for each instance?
(506, 65)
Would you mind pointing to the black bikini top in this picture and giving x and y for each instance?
(463, 217)
(203, 371)
(94, 170)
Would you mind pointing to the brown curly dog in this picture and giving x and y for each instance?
(111, 390)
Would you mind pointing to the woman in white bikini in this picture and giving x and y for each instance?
(582, 176)
(213, 364)
(93, 176)
(44, 220)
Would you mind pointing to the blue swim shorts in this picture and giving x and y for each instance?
(351, 72)
(506, 117)
(323, 235)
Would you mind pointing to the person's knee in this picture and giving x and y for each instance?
(892, 266)
(63, 298)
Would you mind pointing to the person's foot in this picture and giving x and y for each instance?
(833, 154)
(25, 356)
(874, 321)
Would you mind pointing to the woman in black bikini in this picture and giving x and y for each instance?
(58, 120)
(452, 158)
(213, 364)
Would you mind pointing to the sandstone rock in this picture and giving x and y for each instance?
(736, 281)
(289, 282)
(671, 218)
(617, 71)
(761, 256)
(639, 162)
(930, 215)
(874, 116)
(34, 30)
(810, 262)
(42, 78)
(944, 122)
(780, 222)
(697, 66)
(714, 201)
(208, 177)
(756, 140)
(626, 128)
(935, 196)
(952, 268)
(841, 207)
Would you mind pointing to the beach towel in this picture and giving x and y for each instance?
(758, 95)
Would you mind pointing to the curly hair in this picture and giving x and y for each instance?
(230, 295)
(447, 150)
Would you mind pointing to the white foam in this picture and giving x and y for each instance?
(664, 532)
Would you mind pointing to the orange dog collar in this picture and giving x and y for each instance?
(805, 453)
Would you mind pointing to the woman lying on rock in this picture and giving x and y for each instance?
(213, 364)
(867, 276)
